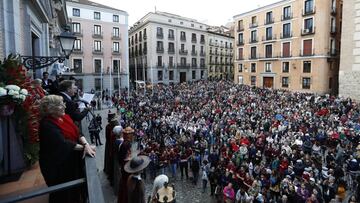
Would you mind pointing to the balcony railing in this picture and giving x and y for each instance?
(307, 12)
(202, 65)
(253, 40)
(78, 33)
(285, 55)
(202, 54)
(202, 41)
(253, 25)
(193, 40)
(194, 53)
(182, 38)
(115, 37)
(183, 65)
(269, 21)
(240, 29)
(194, 65)
(98, 51)
(285, 35)
(160, 35)
(145, 37)
(78, 50)
(269, 38)
(304, 52)
(140, 39)
(98, 35)
(308, 31)
(253, 56)
(183, 52)
(171, 51)
(171, 37)
(159, 50)
(145, 51)
(286, 17)
(118, 53)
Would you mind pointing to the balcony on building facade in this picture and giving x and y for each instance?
(116, 52)
(145, 37)
(308, 31)
(253, 25)
(160, 35)
(193, 40)
(240, 28)
(98, 51)
(78, 33)
(171, 51)
(182, 38)
(308, 11)
(286, 35)
(269, 21)
(253, 40)
(171, 37)
(202, 41)
(286, 17)
(202, 53)
(285, 55)
(194, 65)
(193, 53)
(202, 65)
(140, 39)
(269, 38)
(171, 65)
(240, 58)
(304, 52)
(268, 57)
(98, 35)
(160, 50)
(183, 65)
(78, 50)
(115, 37)
(253, 56)
(158, 65)
(145, 51)
(183, 52)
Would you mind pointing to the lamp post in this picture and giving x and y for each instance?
(66, 40)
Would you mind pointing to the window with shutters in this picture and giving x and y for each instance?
(76, 12)
(76, 27)
(253, 53)
(77, 45)
(115, 18)
(286, 49)
(171, 61)
(241, 57)
(269, 33)
(268, 67)
(286, 30)
(97, 15)
(268, 51)
(307, 47)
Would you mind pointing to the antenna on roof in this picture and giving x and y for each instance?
(155, 8)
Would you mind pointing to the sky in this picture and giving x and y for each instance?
(210, 12)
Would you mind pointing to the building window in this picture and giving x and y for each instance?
(183, 61)
(160, 75)
(240, 68)
(77, 65)
(159, 46)
(171, 75)
(181, 23)
(182, 35)
(97, 16)
(193, 62)
(286, 30)
(171, 34)
(268, 51)
(116, 32)
(285, 67)
(241, 38)
(97, 84)
(307, 47)
(253, 53)
(202, 74)
(116, 83)
(202, 63)
(192, 25)
(287, 13)
(253, 21)
(159, 32)
(307, 67)
(269, 17)
(116, 66)
(171, 61)
(269, 33)
(253, 67)
(76, 12)
(115, 18)
(308, 25)
(202, 38)
(171, 48)
(193, 75)
(240, 25)
(253, 80)
(241, 57)
(286, 49)
(306, 82)
(309, 6)
(268, 67)
(97, 45)
(285, 82)
(97, 29)
(330, 82)
(193, 37)
(76, 27)
(159, 61)
(98, 65)
(116, 47)
(77, 44)
(254, 36)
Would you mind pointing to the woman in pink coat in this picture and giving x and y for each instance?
(229, 193)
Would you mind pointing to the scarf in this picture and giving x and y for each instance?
(69, 130)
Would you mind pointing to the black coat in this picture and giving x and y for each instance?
(72, 109)
(59, 162)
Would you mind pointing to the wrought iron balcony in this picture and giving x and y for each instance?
(253, 25)
(285, 35)
(194, 53)
(171, 51)
(159, 50)
(98, 51)
(160, 35)
(115, 37)
(306, 52)
(253, 40)
(98, 35)
(183, 52)
(183, 65)
(202, 54)
(286, 17)
(269, 21)
(269, 38)
(308, 11)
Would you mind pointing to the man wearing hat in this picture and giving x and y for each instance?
(135, 185)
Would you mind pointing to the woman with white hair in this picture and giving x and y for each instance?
(158, 183)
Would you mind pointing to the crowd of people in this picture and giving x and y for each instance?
(249, 144)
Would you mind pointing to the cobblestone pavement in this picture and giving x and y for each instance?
(186, 192)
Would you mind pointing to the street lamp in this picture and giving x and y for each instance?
(66, 39)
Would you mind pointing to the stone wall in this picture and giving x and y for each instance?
(349, 74)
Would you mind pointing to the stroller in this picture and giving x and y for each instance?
(94, 129)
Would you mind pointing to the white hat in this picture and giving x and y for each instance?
(312, 179)
(299, 161)
(117, 129)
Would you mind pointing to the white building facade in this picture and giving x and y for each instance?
(100, 58)
(167, 48)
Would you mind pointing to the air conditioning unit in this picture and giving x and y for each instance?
(306, 30)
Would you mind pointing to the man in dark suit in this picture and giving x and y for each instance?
(67, 90)
(47, 84)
